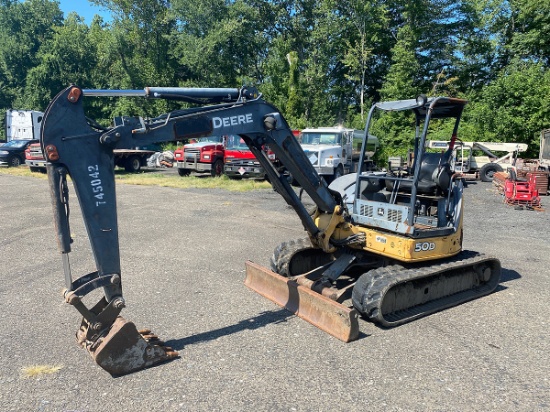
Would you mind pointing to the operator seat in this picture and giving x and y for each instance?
(512, 175)
(435, 175)
(370, 189)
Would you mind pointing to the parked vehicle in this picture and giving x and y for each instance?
(12, 153)
(132, 160)
(23, 124)
(396, 253)
(334, 151)
(227, 154)
(239, 161)
(204, 155)
(34, 158)
(485, 164)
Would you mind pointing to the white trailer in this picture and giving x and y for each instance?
(484, 166)
(23, 124)
(544, 158)
(544, 153)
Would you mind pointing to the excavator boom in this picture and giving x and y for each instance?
(77, 147)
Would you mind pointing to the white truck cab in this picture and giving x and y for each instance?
(23, 124)
(334, 151)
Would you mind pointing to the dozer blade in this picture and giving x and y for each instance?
(124, 349)
(328, 315)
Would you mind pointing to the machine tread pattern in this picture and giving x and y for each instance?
(284, 252)
(372, 288)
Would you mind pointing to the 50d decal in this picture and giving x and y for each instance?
(424, 246)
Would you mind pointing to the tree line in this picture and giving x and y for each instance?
(321, 62)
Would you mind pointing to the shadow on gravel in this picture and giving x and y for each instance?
(143, 170)
(507, 275)
(263, 319)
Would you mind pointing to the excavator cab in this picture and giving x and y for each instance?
(424, 198)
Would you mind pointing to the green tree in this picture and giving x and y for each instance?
(514, 107)
(294, 107)
(138, 42)
(401, 81)
(474, 60)
(219, 43)
(24, 26)
(318, 82)
(366, 45)
(133, 53)
(284, 81)
(68, 57)
(531, 29)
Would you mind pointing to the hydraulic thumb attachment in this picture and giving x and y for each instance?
(74, 149)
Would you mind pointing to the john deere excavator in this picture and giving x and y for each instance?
(391, 242)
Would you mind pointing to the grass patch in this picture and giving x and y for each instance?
(200, 182)
(38, 370)
(155, 178)
(21, 171)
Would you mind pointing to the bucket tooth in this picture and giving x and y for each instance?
(322, 312)
(124, 349)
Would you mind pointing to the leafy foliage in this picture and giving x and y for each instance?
(514, 108)
(321, 62)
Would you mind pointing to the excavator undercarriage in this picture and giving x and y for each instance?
(381, 245)
(388, 294)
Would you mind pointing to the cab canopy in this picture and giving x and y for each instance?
(444, 106)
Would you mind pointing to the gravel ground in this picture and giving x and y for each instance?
(183, 254)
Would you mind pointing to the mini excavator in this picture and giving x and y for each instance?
(389, 242)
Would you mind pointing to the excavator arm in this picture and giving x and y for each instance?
(78, 147)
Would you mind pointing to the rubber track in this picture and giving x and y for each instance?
(371, 288)
(284, 252)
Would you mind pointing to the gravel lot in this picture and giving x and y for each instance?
(183, 254)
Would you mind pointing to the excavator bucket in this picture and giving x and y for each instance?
(124, 349)
(321, 311)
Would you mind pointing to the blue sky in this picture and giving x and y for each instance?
(84, 8)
